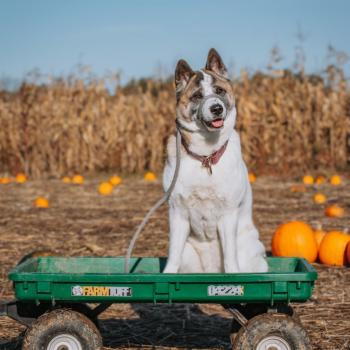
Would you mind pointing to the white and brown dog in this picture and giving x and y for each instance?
(210, 208)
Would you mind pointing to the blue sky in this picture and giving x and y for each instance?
(135, 37)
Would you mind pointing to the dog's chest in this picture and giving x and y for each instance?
(206, 198)
(220, 191)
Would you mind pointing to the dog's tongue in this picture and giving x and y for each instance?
(217, 123)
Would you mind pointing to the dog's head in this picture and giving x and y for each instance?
(204, 99)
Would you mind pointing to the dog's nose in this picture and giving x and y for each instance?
(216, 109)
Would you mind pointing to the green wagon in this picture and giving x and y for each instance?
(53, 293)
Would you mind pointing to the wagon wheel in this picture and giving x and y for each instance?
(82, 309)
(62, 329)
(251, 310)
(272, 332)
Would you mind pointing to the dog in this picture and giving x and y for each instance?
(210, 208)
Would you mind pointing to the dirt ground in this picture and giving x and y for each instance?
(80, 222)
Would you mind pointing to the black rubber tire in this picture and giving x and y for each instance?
(248, 311)
(281, 325)
(62, 321)
(251, 310)
(82, 309)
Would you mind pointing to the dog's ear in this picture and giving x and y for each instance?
(183, 74)
(215, 63)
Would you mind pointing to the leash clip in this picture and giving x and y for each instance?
(207, 163)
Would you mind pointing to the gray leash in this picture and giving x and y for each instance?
(167, 194)
(159, 203)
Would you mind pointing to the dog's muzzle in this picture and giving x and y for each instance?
(213, 111)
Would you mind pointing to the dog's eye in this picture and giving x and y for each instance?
(196, 96)
(219, 90)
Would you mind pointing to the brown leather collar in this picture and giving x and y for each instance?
(207, 161)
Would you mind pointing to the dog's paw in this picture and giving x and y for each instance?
(231, 268)
(170, 269)
(257, 264)
(231, 271)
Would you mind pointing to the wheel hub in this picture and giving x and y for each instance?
(64, 342)
(273, 342)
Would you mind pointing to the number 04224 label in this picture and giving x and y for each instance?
(225, 291)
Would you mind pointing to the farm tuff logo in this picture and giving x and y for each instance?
(101, 291)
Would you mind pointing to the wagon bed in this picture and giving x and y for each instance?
(54, 297)
(102, 279)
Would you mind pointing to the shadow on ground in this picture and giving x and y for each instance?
(181, 326)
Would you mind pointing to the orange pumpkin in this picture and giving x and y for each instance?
(333, 248)
(252, 177)
(348, 253)
(320, 198)
(150, 176)
(319, 235)
(334, 211)
(308, 180)
(21, 178)
(41, 202)
(66, 180)
(105, 188)
(295, 239)
(336, 180)
(320, 180)
(115, 180)
(78, 179)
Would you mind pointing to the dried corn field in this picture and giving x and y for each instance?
(288, 123)
(81, 222)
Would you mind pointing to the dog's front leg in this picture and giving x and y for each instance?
(227, 232)
(179, 232)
